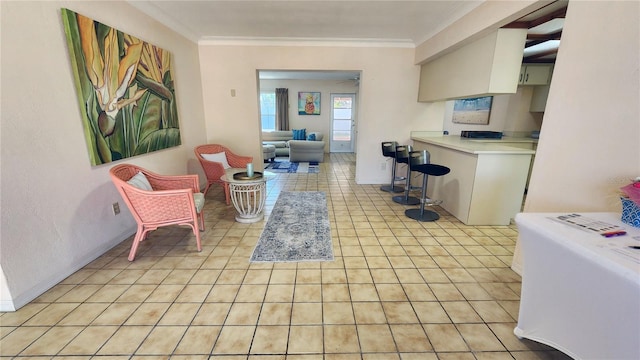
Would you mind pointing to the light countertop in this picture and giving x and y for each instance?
(506, 145)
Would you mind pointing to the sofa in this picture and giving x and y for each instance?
(303, 150)
(296, 150)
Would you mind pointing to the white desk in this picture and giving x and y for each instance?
(580, 290)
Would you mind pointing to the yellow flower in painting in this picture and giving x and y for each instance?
(154, 64)
(109, 74)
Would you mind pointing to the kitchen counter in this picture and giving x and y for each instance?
(488, 177)
(506, 145)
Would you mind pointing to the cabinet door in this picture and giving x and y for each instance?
(523, 71)
(537, 75)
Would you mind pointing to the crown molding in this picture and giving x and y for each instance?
(324, 42)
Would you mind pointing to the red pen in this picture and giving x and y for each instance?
(614, 233)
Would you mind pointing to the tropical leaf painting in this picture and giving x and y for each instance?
(125, 90)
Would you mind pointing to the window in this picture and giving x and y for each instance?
(268, 110)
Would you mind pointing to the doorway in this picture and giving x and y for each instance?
(343, 125)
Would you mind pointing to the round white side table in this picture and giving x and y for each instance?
(248, 195)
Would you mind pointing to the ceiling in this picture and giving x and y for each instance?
(393, 23)
(403, 22)
(544, 31)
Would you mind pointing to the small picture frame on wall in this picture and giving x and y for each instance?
(472, 110)
(308, 103)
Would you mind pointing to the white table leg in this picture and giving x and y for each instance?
(248, 199)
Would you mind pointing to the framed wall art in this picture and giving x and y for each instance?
(472, 110)
(125, 90)
(308, 103)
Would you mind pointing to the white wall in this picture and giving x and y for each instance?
(388, 107)
(509, 114)
(322, 122)
(56, 207)
(590, 139)
(589, 143)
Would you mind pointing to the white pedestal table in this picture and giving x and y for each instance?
(248, 194)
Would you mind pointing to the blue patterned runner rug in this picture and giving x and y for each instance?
(297, 230)
(293, 167)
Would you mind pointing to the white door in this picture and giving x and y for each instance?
(342, 123)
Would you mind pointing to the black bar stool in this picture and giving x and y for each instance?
(389, 150)
(402, 156)
(421, 161)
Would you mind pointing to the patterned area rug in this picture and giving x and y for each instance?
(297, 230)
(293, 167)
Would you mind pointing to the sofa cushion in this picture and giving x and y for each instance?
(300, 134)
(198, 200)
(302, 150)
(220, 157)
(311, 137)
(277, 144)
(277, 135)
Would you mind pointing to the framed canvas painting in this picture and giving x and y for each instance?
(308, 103)
(125, 90)
(472, 110)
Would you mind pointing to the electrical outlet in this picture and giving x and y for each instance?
(116, 208)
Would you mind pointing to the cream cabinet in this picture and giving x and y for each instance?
(485, 186)
(539, 98)
(535, 74)
(488, 66)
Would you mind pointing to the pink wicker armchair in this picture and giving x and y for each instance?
(215, 170)
(173, 200)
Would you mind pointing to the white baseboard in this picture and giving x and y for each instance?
(7, 306)
(26, 297)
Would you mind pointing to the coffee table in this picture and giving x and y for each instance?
(248, 194)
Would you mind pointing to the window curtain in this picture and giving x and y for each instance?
(282, 109)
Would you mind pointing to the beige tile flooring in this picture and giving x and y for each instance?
(398, 289)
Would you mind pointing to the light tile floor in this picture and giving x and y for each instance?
(398, 289)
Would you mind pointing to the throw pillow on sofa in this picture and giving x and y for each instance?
(299, 134)
(318, 135)
(311, 137)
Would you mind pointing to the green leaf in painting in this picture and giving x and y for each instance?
(103, 149)
(148, 118)
(158, 140)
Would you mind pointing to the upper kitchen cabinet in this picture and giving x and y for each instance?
(519, 53)
(535, 74)
(487, 66)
